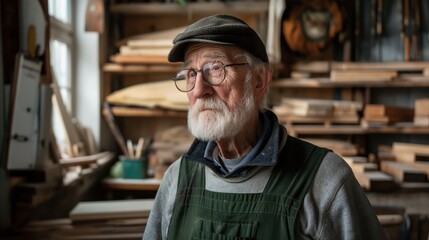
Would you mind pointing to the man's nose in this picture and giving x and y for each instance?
(202, 87)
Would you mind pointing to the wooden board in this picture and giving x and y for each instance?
(421, 121)
(364, 167)
(410, 157)
(376, 181)
(161, 94)
(385, 110)
(153, 38)
(410, 147)
(421, 107)
(402, 172)
(123, 59)
(111, 209)
(363, 75)
(85, 160)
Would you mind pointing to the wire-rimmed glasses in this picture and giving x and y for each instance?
(213, 73)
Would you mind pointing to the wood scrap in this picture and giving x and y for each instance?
(398, 147)
(110, 119)
(402, 172)
(152, 38)
(376, 181)
(75, 145)
(378, 113)
(113, 209)
(396, 66)
(84, 160)
(127, 59)
(421, 116)
(364, 167)
(328, 112)
(363, 75)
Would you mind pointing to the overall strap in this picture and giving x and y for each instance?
(294, 174)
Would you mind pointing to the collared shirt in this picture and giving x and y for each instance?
(255, 157)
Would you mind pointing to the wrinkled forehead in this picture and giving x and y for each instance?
(224, 53)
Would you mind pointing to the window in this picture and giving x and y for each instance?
(61, 45)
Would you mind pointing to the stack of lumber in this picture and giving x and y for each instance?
(149, 48)
(421, 114)
(168, 146)
(39, 186)
(378, 114)
(298, 110)
(378, 72)
(360, 72)
(410, 165)
(369, 175)
(160, 94)
(114, 219)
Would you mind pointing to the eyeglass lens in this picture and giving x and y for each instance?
(213, 73)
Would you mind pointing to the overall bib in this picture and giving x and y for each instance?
(202, 214)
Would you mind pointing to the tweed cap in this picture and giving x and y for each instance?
(218, 29)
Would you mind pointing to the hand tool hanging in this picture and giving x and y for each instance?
(406, 29)
(373, 26)
(357, 31)
(416, 31)
(379, 29)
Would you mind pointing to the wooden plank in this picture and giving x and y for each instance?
(111, 209)
(410, 147)
(376, 181)
(410, 157)
(75, 145)
(397, 66)
(364, 167)
(123, 59)
(131, 184)
(362, 75)
(421, 121)
(385, 110)
(402, 172)
(421, 107)
(85, 160)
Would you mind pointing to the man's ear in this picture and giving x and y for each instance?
(262, 83)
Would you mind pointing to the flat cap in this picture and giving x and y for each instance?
(218, 29)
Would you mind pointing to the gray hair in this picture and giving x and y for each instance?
(258, 68)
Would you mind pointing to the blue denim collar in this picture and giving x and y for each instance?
(265, 152)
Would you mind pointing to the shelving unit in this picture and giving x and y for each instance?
(129, 19)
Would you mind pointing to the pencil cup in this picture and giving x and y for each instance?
(133, 168)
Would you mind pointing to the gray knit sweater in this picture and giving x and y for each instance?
(335, 207)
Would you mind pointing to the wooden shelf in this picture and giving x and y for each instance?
(327, 83)
(327, 66)
(144, 112)
(149, 184)
(140, 68)
(354, 130)
(234, 7)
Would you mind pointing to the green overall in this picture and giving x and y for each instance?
(202, 214)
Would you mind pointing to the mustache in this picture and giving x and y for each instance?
(210, 103)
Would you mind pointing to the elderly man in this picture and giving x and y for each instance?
(244, 177)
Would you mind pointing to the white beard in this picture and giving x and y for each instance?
(219, 122)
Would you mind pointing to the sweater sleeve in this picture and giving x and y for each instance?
(160, 215)
(336, 206)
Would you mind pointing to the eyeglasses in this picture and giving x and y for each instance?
(213, 73)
